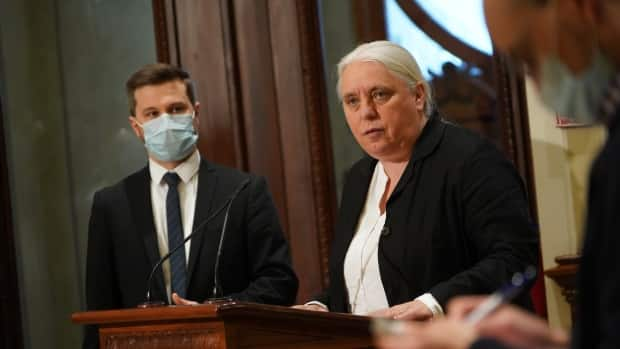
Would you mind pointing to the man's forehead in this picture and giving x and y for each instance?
(172, 86)
(164, 92)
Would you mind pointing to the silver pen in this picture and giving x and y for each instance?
(517, 284)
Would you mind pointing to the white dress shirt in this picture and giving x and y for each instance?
(361, 264)
(188, 188)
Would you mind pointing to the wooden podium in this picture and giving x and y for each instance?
(226, 325)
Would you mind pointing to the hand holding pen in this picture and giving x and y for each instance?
(471, 318)
(518, 283)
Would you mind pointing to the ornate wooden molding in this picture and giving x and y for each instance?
(177, 338)
(449, 42)
(320, 139)
(369, 17)
(512, 108)
(164, 22)
(565, 275)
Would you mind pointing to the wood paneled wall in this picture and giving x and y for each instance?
(259, 76)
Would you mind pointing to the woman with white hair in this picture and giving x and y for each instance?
(432, 212)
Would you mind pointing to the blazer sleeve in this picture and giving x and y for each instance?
(486, 343)
(322, 297)
(598, 314)
(273, 278)
(101, 284)
(497, 224)
(604, 291)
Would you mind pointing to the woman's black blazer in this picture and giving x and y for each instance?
(457, 222)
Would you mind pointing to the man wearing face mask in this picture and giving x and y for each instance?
(572, 50)
(138, 220)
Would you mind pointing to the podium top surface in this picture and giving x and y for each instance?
(223, 311)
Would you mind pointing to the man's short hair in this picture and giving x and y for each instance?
(156, 74)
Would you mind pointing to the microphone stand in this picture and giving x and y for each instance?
(227, 204)
(217, 289)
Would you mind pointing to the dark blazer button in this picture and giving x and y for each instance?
(385, 231)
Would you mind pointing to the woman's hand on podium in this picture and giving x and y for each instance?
(177, 300)
(312, 307)
(414, 310)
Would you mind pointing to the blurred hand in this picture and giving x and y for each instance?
(511, 325)
(460, 307)
(176, 299)
(312, 307)
(441, 333)
(414, 310)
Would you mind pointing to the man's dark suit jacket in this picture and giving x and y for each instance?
(457, 222)
(597, 323)
(255, 264)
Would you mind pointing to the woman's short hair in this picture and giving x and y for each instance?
(396, 59)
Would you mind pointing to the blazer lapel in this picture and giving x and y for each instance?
(207, 182)
(426, 144)
(139, 194)
(393, 244)
(353, 203)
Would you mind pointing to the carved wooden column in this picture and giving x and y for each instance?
(259, 76)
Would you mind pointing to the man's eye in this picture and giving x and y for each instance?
(178, 109)
(152, 114)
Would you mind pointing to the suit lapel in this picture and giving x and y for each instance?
(207, 182)
(353, 201)
(393, 245)
(426, 144)
(139, 194)
(355, 197)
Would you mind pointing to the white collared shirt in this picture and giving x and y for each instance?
(188, 188)
(361, 264)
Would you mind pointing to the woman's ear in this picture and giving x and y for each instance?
(420, 96)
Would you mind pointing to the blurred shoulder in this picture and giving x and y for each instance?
(462, 144)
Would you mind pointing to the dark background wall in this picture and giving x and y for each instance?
(63, 67)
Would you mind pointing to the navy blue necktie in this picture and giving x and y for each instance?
(178, 271)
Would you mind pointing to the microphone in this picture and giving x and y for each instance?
(227, 204)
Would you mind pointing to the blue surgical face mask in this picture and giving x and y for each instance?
(170, 138)
(575, 97)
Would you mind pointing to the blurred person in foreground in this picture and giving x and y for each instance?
(433, 211)
(572, 50)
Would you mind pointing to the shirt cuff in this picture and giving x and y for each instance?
(317, 303)
(431, 303)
